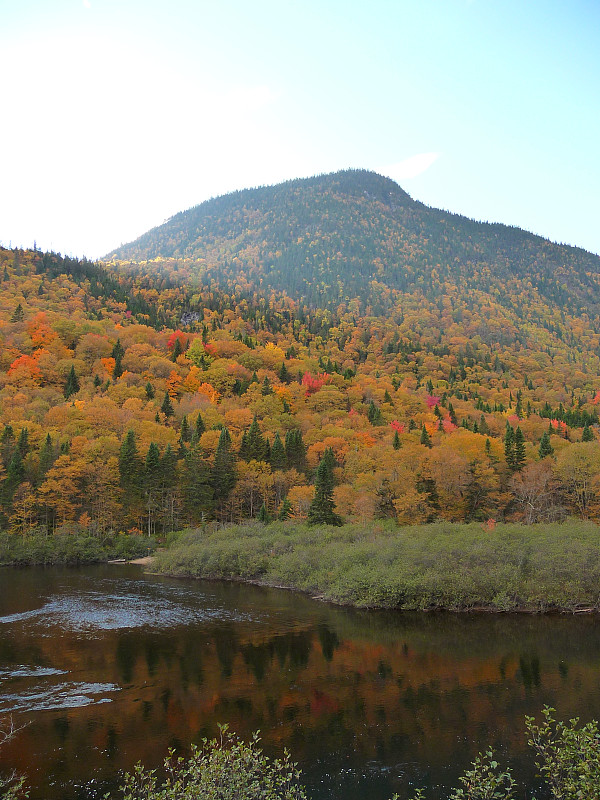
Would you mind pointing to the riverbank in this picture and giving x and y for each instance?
(509, 567)
(71, 549)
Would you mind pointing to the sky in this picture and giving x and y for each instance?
(117, 114)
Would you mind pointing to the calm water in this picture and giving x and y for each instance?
(109, 667)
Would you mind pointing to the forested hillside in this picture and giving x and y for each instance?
(326, 240)
(438, 368)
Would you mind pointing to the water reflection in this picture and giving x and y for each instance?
(112, 668)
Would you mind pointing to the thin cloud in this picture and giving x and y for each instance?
(411, 167)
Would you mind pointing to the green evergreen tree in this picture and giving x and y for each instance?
(266, 387)
(284, 375)
(197, 489)
(397, 444)
(519, 406)
(118, 350)
(278, 458)
(97, 381)
(199, 426)
(118, 370)
(71, 384)
(264, 515)
(255, 445)
(149, 391)
(545, 448)
(425, 438)
(152, 469)
(177, 350)
(47, 457)
(18, 314)
(509, 447)
(452, 414)
(184, 431)
(167, 406)
(374, 414)
(129, 463)
(322, 508)
(7, 444)
(519, 450)
(285, 510)
(295, 450)
(223, 470)
(587, 435)
(23, 443)
(243, 452)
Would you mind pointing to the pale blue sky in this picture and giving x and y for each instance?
(119, 113)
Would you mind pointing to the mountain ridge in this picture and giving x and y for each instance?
(333, 237)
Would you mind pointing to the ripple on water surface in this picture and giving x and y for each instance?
(115, 606)
(57, 696)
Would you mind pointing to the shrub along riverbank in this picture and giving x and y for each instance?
(457, 567)
(70, 548)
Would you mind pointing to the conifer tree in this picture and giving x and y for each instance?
(118, 350)
(509, 447)
(223, 471)
(397, 443)
(278, 458)
(284, 375)
(18, 314)
(285, 511)
(129, 464)
(322, 508)
(149, 391)
(197, 489)
(587, 435)
(72, 384)
(184, 430)
(23, 443)
(167, 406)
(46, 456)
(295, 450)
(519, 450)
(264, 515)
(545, 448)
(243, 452)
(266, 387)
(254, 446)
(177, 350)
(152, 469)
(97, 381)
(425, 438)
(199, 426)
(118, 369)
(374, 414)
(7, 444)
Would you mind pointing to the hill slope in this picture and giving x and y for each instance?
(355, 234)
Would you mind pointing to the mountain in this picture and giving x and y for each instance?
(355, 234)
(440, 368)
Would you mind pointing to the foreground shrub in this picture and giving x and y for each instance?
(222, 769)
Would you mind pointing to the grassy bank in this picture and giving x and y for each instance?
(457, 567)
(70, 548)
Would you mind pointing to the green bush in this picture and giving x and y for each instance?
(457, 567)
(222, 769)
(70, 548)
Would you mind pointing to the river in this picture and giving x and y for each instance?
(106, 667)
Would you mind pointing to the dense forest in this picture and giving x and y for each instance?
(325, 350)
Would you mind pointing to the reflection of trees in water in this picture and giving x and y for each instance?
(341, 688)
